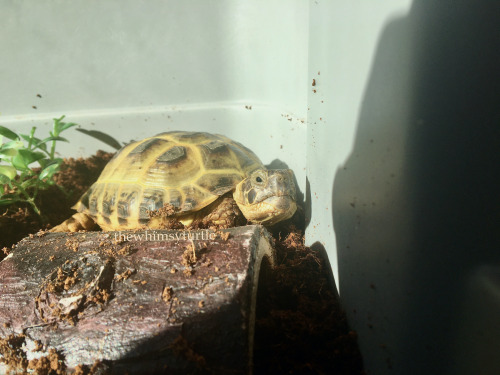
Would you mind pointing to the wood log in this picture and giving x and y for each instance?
(137, 302)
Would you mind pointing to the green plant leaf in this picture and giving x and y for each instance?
(66, 125)
(20, 152)
(44, 163)
(7, 133)
(31, 156)
(49, 171)
(36, 142)
(103, 137)
(7, 202)
(19, 163)
(3, 180)
(12, 144)
(8, 171)
(10, 148)
(26, 157)
(29, 183)
(8, 151)
(50, 139)
(60, 126)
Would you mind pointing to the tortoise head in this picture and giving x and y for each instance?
(267, 196)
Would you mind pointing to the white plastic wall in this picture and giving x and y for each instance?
(397, 137)
(134, 69)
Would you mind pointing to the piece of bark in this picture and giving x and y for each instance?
(138, 301)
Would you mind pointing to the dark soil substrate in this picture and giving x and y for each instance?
(300, 325)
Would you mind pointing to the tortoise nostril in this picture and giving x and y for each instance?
(251, 196)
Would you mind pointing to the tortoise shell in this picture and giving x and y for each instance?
(188, 170)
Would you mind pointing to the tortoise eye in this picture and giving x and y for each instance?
(258, 179)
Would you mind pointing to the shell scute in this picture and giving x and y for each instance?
(175, 198)
(148, 143)
(97, 191)
(152, 199)
(172, 174)
(173, 155)
(194, 198)
(219, 183)
(128, 200)
(109, 199)
(191, 137)
(245, 160)
(217, 155)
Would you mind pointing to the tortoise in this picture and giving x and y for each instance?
(202, 176)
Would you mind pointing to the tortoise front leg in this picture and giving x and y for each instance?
(223, 213)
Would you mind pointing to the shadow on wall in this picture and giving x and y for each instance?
(416, 206)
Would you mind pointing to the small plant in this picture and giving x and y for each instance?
(20, 177)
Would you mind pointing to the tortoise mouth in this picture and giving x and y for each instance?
(270, 210)
(286, 195)
(283, 207)
(279, 197)
(273, 196)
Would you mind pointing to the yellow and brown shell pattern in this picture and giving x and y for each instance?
(188, 170)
